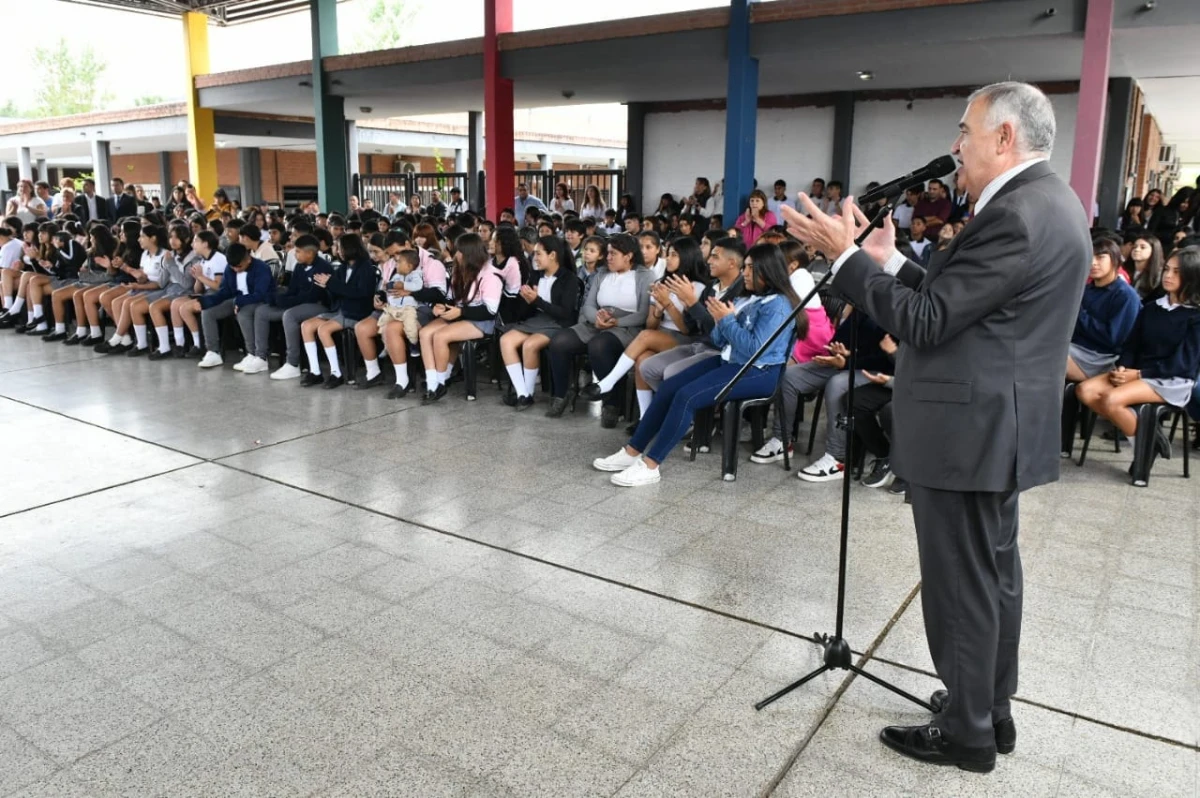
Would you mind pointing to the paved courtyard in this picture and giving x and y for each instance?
(215, 584)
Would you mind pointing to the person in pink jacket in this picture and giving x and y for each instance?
(756, 220)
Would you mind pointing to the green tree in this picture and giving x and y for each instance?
(69, 78)
(10, 109)
(384, 27)
(149, 99)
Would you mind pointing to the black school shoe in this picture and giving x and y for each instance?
(432, 396)
(54, 337)
(362, 385)
(158, 354)
(609, 415)
(524, 402)
(334, 381)
(195, 353)
(926, 744)
(136, 352)
(310, 379)
(397, 392)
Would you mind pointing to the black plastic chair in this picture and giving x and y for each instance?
(1150, 417)
(468, 359)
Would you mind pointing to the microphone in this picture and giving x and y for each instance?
(935, 168)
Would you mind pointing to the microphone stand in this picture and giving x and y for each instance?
(838, 655)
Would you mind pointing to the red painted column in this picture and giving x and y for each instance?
(1093, 96)
(497, 110)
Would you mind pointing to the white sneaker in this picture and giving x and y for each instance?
(241, 364)
(211, 360)
(771, 451)
(256, 366)
(286, 372)
(616, 462)
(827, 469)
(636, 475)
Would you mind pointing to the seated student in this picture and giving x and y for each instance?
(614, 312)
(820, 328)
(90, 301)
(922, 247)
(37, 262)
(872, 412)
(208, 273)
(509, 261)
(1159, 361)
(398, 322)
(469, 314)
(594, 254)
(739, 334)
(157, 304)
(610, 226)
(303, 300)
(652, 253)
(574, 232)
(553, 303)
(351, 289)
(828, 372)
(11, 251)
(667, 325)
(247, 282)
(1107, 313)
(725, 259)
(633, 223)
(251, 237)
(63, 273)
(151, 275)
(100, 244)
(366, 330)
(1144, 265)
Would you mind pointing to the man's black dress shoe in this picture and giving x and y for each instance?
(926, 744)
(1006, 730)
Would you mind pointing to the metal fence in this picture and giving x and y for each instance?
(379, 187)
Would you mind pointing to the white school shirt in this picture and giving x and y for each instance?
(903, 216)
(659, 268)
(214, 267)
(544, 286)
(919, 247)
(152, 265)
(802, 283)
(773, 205)
(667, 322)
(618, 290)
(243, 281)
(10, 254)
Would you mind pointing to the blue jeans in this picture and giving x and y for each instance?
(677, 400)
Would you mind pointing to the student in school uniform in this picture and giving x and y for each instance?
(247, 281)
(351, 289)
(303, 300)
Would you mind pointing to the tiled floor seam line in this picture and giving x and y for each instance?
(863, 660)
(529, 557)
(104, 488)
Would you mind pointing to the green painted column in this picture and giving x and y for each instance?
(329, 113)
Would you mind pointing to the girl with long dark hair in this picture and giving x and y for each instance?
(593, 205)
(101, 244)
(351, 290)
(1144, 266)
(739, 333)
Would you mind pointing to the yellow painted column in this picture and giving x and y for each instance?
(202, 137)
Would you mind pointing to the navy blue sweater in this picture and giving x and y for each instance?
(1106, 317)
(260, 286)
(302, 290)
(1165, 343)
(869, 356)
(354, 298)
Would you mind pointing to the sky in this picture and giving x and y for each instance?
(145, 56)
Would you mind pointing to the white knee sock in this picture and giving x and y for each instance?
(644, 399)
(8, 301)
(195, 338)
(37, 310)
(531, 376)
(95, 332)
(164, 339)
(402, 375)
(314, 363)
(59, 328)
(179, 341)
(16, 306)
(624, 364)
(332, 355)
(518, 378)
(432, 380)
(372, 368)
(116, 339)
(139, 330)
(444, 376)
(126, 339)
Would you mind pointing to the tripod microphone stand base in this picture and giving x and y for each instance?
(838, 657)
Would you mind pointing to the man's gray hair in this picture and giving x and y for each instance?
(1026, 108)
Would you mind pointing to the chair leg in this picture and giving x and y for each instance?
(788, 436)
(732, 423)
(758, 423)
(1070, 420)
(703, 420)
(812, 431)
(468, 365)
(1089, 426)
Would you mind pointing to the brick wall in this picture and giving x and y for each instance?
(1147, 163)
(141, 168)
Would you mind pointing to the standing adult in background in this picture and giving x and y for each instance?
(457, 205)
(90, 206)
(120, 204)
(524, 201)
(978, 396)
(437, 208)
(934, 208)
(26, 205)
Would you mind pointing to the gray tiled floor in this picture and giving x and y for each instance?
(214, 584)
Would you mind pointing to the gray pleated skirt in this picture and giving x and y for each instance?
(1091, 363)
(625, 335)
(1175, 391)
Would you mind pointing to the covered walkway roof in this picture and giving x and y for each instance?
(223, 12)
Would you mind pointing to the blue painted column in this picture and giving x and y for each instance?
(741, 113)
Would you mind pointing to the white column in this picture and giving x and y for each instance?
(24, 164)
(100, 165)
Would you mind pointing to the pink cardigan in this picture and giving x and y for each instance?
(751, 231)
(820, 333)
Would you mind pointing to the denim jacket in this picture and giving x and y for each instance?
(739, 335)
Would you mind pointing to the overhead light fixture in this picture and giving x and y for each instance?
(866, 74)
(366, 109)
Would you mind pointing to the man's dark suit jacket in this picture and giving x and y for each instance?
(80, 208)
(984, 332)
(120, 206)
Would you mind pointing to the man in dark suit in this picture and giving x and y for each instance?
(979, 383)
(120, 204)
(89, 205)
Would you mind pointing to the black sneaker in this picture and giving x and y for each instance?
(898, 487)
(158, 354)
(397, 392)
(138, 352)
(591, 393)
(333, 381)
(631, 428)
(310, 379)
(609, 415)
(510, 397)
(880, 475)
(524, 402)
